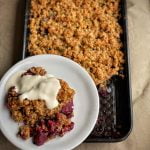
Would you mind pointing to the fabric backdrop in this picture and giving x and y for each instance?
(11, 12)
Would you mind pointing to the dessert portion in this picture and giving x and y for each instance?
(86, 31)
(42, 103)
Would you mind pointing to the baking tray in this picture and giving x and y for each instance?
(115, 117)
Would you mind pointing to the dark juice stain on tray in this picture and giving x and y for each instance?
(115, 117)
(106, 124)
(109, 126)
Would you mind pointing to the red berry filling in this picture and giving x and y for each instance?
(49, 128)
(68, 109)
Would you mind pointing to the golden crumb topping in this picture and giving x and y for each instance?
(30, 111)
(86, 31)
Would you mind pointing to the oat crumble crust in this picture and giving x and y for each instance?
(86, 31)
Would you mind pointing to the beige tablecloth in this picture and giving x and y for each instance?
(11, 12)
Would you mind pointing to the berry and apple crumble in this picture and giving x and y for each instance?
(42, 104)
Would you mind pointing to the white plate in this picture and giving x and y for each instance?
(86, 102)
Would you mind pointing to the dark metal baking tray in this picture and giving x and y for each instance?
(115, 118)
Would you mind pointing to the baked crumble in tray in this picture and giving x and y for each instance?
(94, 34)
(85, 31)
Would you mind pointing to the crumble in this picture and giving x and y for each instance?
(40, 122)
(86, 31)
